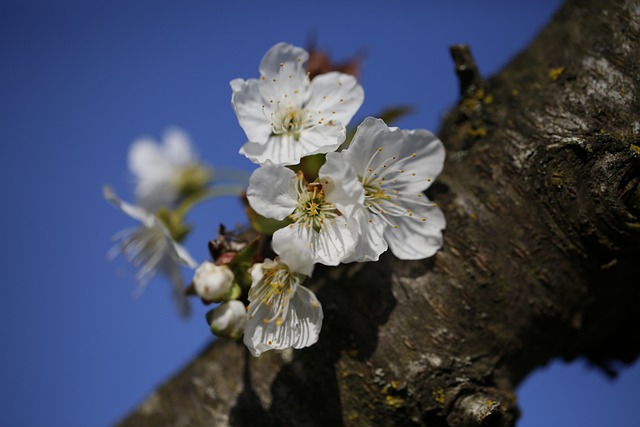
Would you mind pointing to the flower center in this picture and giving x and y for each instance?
(291, 122)
(312, 209)
(274, 291)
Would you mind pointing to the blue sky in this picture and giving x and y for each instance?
(82, 79)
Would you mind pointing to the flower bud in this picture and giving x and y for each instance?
(228, 319)
(212, 282)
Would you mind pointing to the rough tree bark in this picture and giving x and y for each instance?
(541, 189)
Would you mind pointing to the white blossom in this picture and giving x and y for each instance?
(394, 168)
(320, 210)
(211, 282)
(228, 319)
(151, 249)
(282, 313)
(285, 115)
(163, 170)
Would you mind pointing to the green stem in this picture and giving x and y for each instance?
(209, 193)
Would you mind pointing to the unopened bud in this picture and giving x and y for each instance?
(228, 319)
(212, 282)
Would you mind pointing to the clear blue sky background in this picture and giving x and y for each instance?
(79, 80)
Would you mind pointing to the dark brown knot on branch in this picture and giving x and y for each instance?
(468, 75)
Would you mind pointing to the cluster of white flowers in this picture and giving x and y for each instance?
(368, 196)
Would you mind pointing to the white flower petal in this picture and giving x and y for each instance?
(285, 150)
(424, 158)
(335, 96)
(146, 158)
(178, 148)
(153, 172)
(297, 256)
(282, 53)
(183, 255)
(414, 238)
(300, 328)
(333, 243)
(370, 231)
(371, 135)
(279, 149)
(322, 138)
(341, 185)
(269, 191)
(288, 89)
(136, 212)
(248, 104)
